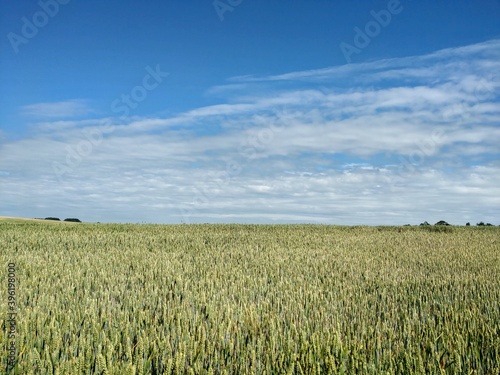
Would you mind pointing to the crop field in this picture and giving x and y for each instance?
(249, 299)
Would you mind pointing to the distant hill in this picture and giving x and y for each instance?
(12, 218)
(20, 219)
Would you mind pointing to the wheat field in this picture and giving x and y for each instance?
(251, 299)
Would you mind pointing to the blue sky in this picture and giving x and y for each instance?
(337, 112)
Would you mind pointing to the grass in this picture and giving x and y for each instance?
(247, 299)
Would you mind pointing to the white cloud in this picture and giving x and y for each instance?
(64, 109)
(450, 60)
(386, 142)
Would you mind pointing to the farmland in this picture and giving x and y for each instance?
(251, 299)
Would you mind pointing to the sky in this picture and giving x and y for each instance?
(238, 111)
